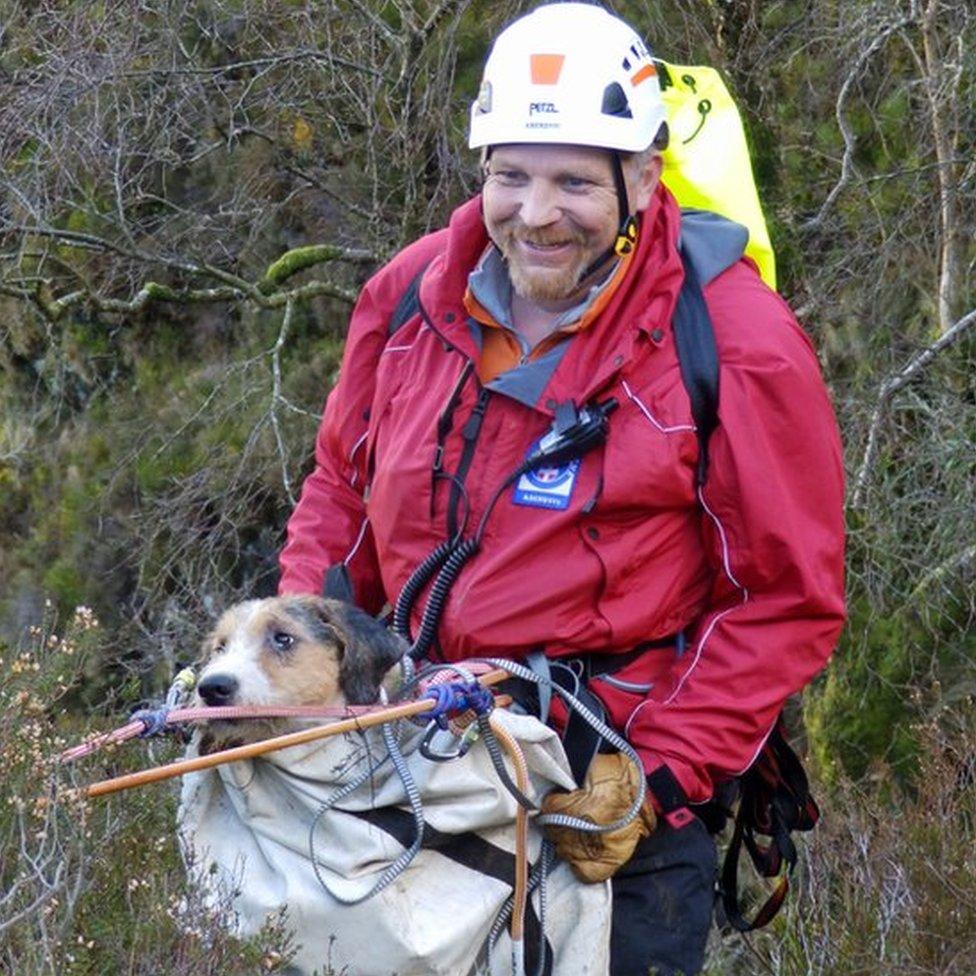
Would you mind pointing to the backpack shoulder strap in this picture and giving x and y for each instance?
(709, 244)
(337, 584)
(408, 305)
(694, 341)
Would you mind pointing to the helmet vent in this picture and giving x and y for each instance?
(615, 102)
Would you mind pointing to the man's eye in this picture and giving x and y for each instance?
(509, 176)
(576, 182)
(281, 640)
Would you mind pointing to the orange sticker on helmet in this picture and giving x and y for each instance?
(648, 71)
(546, 68)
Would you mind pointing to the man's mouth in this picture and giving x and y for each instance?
(544, 248)
(544, 245)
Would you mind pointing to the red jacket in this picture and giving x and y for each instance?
(752, 571)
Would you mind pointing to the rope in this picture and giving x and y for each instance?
(372, 715)
(520, 893)
(148, 721)
(538, 881)
(602, 729)
(455, 698)
(402, 862)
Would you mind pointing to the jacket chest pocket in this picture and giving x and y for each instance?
(651, 451)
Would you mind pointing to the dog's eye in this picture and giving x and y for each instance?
(281, 640)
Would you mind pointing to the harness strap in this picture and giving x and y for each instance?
(580, 740)
(539, 663)
(670, 796)
(472, 852)
(595, 664)
(729, 886)
(775, 801)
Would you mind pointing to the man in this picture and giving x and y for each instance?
(695, 602)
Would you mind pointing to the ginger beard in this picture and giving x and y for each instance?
(552, 273)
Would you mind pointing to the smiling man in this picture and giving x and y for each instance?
(692, 583)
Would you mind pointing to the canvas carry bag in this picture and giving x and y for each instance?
(247, 830)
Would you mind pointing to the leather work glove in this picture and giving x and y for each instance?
(610, 786)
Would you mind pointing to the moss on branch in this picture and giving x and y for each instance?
(300, 258)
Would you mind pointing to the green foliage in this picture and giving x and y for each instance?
(862, 714)
(163, 478)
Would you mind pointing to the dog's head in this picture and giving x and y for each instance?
(296, 650)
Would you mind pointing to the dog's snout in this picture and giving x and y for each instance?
(218, 689)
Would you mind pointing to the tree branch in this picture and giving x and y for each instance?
(300, 258)
(889, 388)
(850, 139)
(271, 61)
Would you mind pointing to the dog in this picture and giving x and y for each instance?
(290, 650)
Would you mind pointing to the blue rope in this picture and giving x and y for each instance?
(153, 720)
(453, 698)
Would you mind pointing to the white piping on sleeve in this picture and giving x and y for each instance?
(727, 567)
(423, 328)
(647, 413)
(357, 543)
(352, 456)
(357, 445)
(725, 545)
(759, 749)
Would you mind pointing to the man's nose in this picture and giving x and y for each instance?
(540, 204)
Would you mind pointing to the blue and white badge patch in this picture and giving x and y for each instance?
(549, 487)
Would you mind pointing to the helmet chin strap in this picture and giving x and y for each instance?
(626, 237)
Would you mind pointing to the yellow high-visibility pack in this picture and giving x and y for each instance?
(706, 164)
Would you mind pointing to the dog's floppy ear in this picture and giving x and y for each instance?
(370, 651)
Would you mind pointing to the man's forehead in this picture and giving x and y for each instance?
(553, 155)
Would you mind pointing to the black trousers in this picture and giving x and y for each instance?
(662, 904)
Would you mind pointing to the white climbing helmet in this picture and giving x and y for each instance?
(568, 73)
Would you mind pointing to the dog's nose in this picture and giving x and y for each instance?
(218, 689)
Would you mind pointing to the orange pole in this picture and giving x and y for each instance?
(521, 834)
(183, 766)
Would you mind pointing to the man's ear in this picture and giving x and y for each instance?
(369, 650)
(645, 181)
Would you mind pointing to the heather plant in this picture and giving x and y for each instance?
(94, 886)
(887, 883)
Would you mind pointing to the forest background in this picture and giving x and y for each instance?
(191, 194)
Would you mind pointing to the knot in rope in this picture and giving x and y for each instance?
(153, 720)
(455, 697)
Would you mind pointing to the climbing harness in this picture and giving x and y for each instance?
(774, 801)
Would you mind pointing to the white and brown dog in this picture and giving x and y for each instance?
(291, 650)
